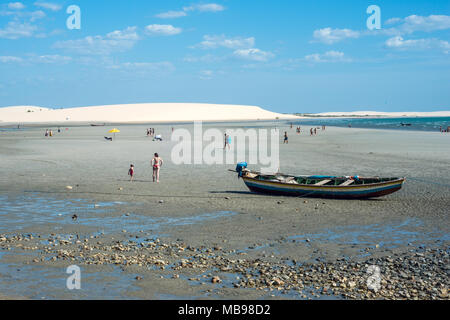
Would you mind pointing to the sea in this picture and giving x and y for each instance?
(403, 123)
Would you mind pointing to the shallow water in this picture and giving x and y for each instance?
(21, 212)
(37, 282)
(384, 235)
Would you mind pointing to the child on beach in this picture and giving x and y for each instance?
(156, 164)
(286, 139)
(131, 172)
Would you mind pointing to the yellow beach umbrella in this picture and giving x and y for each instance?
(114, 131)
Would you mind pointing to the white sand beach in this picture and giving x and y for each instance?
(207, 209)
(136, 113)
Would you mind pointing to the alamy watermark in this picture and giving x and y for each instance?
(74, 280)
(74, 20)
(213, 146)
(374, 21)
(374, 279)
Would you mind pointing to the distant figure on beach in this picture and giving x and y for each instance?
(286, 139)
(315, 131)
(291, 125)
(51, 133)
(156, 164)
(46, 133)
(311, 131)
(227, 142)
(349, 125)
(131, 172)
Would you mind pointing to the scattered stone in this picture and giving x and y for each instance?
(216, 279)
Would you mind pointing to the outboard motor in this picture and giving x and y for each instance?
(240, 167)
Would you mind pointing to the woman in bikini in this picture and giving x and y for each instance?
(156, 164)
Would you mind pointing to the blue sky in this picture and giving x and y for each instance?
(286, 56)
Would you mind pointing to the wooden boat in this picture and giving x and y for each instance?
(321, 186)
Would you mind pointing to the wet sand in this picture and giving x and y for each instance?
(206, 207)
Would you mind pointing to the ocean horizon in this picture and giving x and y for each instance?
(399, 123)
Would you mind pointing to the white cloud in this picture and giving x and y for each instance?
(9, 59)
(129, 33)
(213, 42)
(398, 42)
(253, 54)
(48, 5)
(393, 21)
(46, 59)
(329, 56)
(116, 41)
(162, 30)
(171, 14)
(35, 15)
(50, 59)
(16, 30)
(431, 23)
(144, 68)
(205, 59)
(209, 7)
(16, 6)
(206, 74)
(330, 36)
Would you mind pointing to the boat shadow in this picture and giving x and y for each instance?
(233, 192)
(283, 196)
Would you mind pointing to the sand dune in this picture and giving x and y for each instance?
(136, 113)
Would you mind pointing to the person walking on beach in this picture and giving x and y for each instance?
(227, 142)
(46, 133)
(157, 162)
(131, 172)
(286, 139)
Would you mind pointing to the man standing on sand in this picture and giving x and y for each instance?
(156, 164)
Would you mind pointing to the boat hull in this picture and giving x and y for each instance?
(332, 192)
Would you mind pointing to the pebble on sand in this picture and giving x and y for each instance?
(216, 279)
